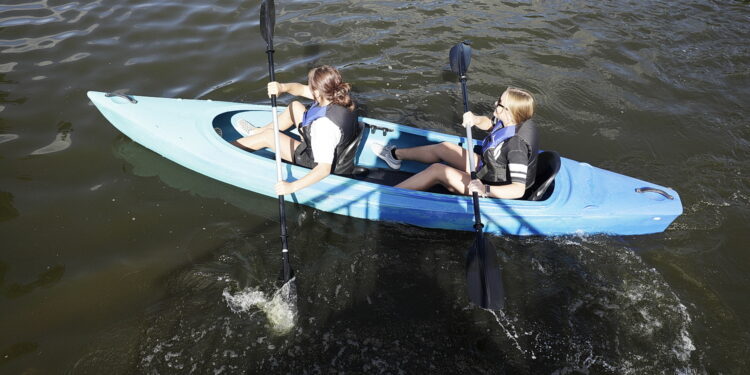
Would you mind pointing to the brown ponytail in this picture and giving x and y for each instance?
(328, 82)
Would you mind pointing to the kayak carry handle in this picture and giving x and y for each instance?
(128, 97)
(654, 190)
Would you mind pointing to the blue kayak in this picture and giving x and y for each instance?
(579, 198)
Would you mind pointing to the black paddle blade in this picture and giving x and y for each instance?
(460, 57)
(267, 20)
(483, 277)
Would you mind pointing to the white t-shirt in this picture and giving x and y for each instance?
(325, 136)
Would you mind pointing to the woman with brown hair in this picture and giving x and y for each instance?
(506, 161)
(327, 128)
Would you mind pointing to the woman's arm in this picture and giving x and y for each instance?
(513, 190)
(316, 174)
(296, 89)
(481, 122)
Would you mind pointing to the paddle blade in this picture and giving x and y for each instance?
(483, 276)
(460, 57)
(267, 20)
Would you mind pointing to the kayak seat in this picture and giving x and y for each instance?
(360, 172)
(548, 164)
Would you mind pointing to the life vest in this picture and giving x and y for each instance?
(493, 163)
(346, 121)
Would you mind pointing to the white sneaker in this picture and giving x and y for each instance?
(245, 128)
(384, 152)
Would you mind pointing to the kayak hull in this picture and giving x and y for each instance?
(196, 135)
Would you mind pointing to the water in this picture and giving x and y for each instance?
(113, 259)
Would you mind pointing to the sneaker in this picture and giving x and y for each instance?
(384, 152)
(245, 128)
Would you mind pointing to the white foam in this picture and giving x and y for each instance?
(280, 309)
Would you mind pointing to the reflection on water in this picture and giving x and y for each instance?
(8, 137)
(61, 142)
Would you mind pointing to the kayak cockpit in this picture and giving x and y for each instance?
(226, 126)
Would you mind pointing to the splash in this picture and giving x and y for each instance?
(511, 333)
(280, 309)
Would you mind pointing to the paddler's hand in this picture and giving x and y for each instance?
(275, 88)
(476, 186)
(470, 120)
(284, 188)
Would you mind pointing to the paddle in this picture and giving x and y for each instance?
(483, 277)
(267, 21)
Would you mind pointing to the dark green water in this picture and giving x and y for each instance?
(115, 260)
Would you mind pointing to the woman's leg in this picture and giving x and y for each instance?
(454, 180)
(292, 115)
(447, 152)
(265, 139)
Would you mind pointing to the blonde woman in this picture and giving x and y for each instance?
(506, 160)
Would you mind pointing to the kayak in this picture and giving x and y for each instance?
(579, 199)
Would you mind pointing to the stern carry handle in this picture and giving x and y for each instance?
(654, 190)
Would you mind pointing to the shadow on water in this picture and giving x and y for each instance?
(312, 50)
(366, 305)
(7, 211)
(17, 350)
(146, 163)
(363, 304)
(49, 277)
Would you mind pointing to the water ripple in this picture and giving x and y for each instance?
(47, 41)
(653, 88)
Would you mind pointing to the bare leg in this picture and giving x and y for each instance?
(453, 179)
(265, 139)
(447, 152)
(292, 115)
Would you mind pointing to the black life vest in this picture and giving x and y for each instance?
(346, 149)
(494, 170)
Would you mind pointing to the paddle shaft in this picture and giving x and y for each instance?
(470, 151)
(287, 269)
(478, 226)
